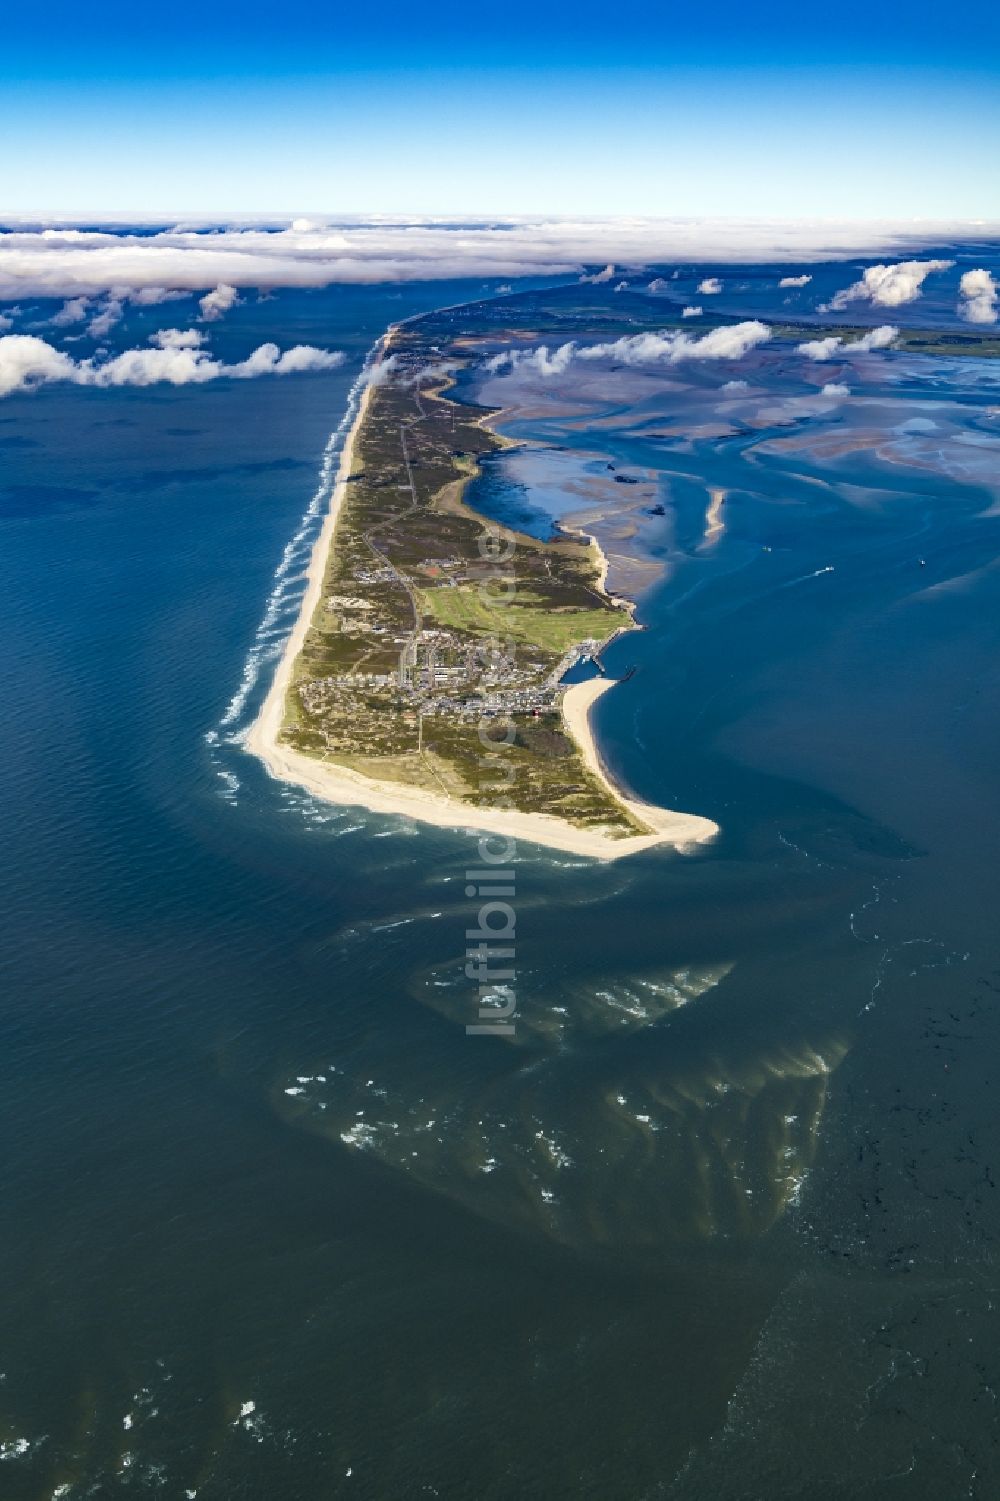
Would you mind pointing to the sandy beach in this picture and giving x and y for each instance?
(337, 784)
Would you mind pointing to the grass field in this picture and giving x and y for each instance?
(527, 618)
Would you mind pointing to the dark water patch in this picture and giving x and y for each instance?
(581, 672)
(493, 494)
(159, 479)
(24, 501)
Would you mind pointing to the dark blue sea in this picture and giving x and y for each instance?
(721, 1222)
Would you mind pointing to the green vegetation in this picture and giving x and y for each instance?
(470, 608)
(913, 340)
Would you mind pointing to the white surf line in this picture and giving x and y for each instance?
(290, 574)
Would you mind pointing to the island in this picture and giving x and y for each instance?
(425, 674)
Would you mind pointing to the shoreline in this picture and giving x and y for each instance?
(338, 784)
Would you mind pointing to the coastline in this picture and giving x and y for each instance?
(262, 737)
(338, 784)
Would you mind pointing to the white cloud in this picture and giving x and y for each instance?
(820, 349)
(72, 311)
(639, 349)
(979, 294)
(601, 276)
(432, 373)
(104, 322)
(77, 309)
(876, 338)
(692, 312)
(214, 304)
(378, 374)
(269, 360)
(710, 286)
(27, 362)
(151, 296)
(535, 359)
(890, 286)
(150, 367)
(176, 338)
(795, 281)
(657, 284)
(735, 385)
(729, 343)
(622, 286)
(5, 323)
(835, 345)
(834, 388)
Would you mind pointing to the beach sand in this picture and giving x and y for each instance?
(337, 784)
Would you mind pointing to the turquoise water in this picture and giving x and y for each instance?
(721, 1221)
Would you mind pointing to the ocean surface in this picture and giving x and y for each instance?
(721, 1222)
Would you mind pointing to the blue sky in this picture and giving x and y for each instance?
(781, 109)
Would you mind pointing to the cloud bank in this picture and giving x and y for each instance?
(890, 286)
(826, 349)
(27, 362)
(56, 260)
(979, 293)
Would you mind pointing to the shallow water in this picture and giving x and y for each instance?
(720, 1220)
